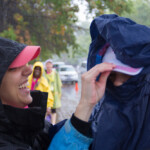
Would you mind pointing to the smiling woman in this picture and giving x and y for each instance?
(17, 124)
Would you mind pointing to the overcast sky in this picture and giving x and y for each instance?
(82, 14)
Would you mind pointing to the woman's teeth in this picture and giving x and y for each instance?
(23, 85)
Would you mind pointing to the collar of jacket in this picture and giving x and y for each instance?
(26, 121)
(132, 91)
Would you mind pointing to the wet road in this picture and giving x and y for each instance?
(69, 100)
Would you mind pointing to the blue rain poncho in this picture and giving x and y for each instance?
(121, 120)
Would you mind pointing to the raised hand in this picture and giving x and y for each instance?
(92, 91)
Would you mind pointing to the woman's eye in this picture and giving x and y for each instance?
(12, 69)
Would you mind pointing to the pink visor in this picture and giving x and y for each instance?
(28, 53)
(110, 57)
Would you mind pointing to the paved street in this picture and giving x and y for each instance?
(70, 99)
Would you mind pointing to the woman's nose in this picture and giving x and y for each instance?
(27, 70)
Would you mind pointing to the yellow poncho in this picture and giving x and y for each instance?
(42, 84)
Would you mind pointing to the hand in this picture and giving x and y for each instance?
(92, 91)
(48, 111)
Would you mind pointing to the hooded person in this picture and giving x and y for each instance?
(26, 128)
(37, 81)
(121, 120)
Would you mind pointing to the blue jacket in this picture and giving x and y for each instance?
(68, 138)
(121, 121)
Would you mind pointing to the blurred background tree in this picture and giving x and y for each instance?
(53, 24)
(99, 7)
(140, 11)
(48, 23)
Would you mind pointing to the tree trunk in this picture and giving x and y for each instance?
(4, 5)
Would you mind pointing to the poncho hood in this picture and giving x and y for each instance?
(38, 64)
(129, 40)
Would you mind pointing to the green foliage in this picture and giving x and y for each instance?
(9, 33)
(51, 23)
(115, 6)
(48, 23)
(53, 28)
(141, 9)
(83, 39)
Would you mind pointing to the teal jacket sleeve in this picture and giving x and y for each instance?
(68, 138)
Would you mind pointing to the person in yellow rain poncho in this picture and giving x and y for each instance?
(55, 85)
(37, 81)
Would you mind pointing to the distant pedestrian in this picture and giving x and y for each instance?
(55, 86)
(37, 81)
